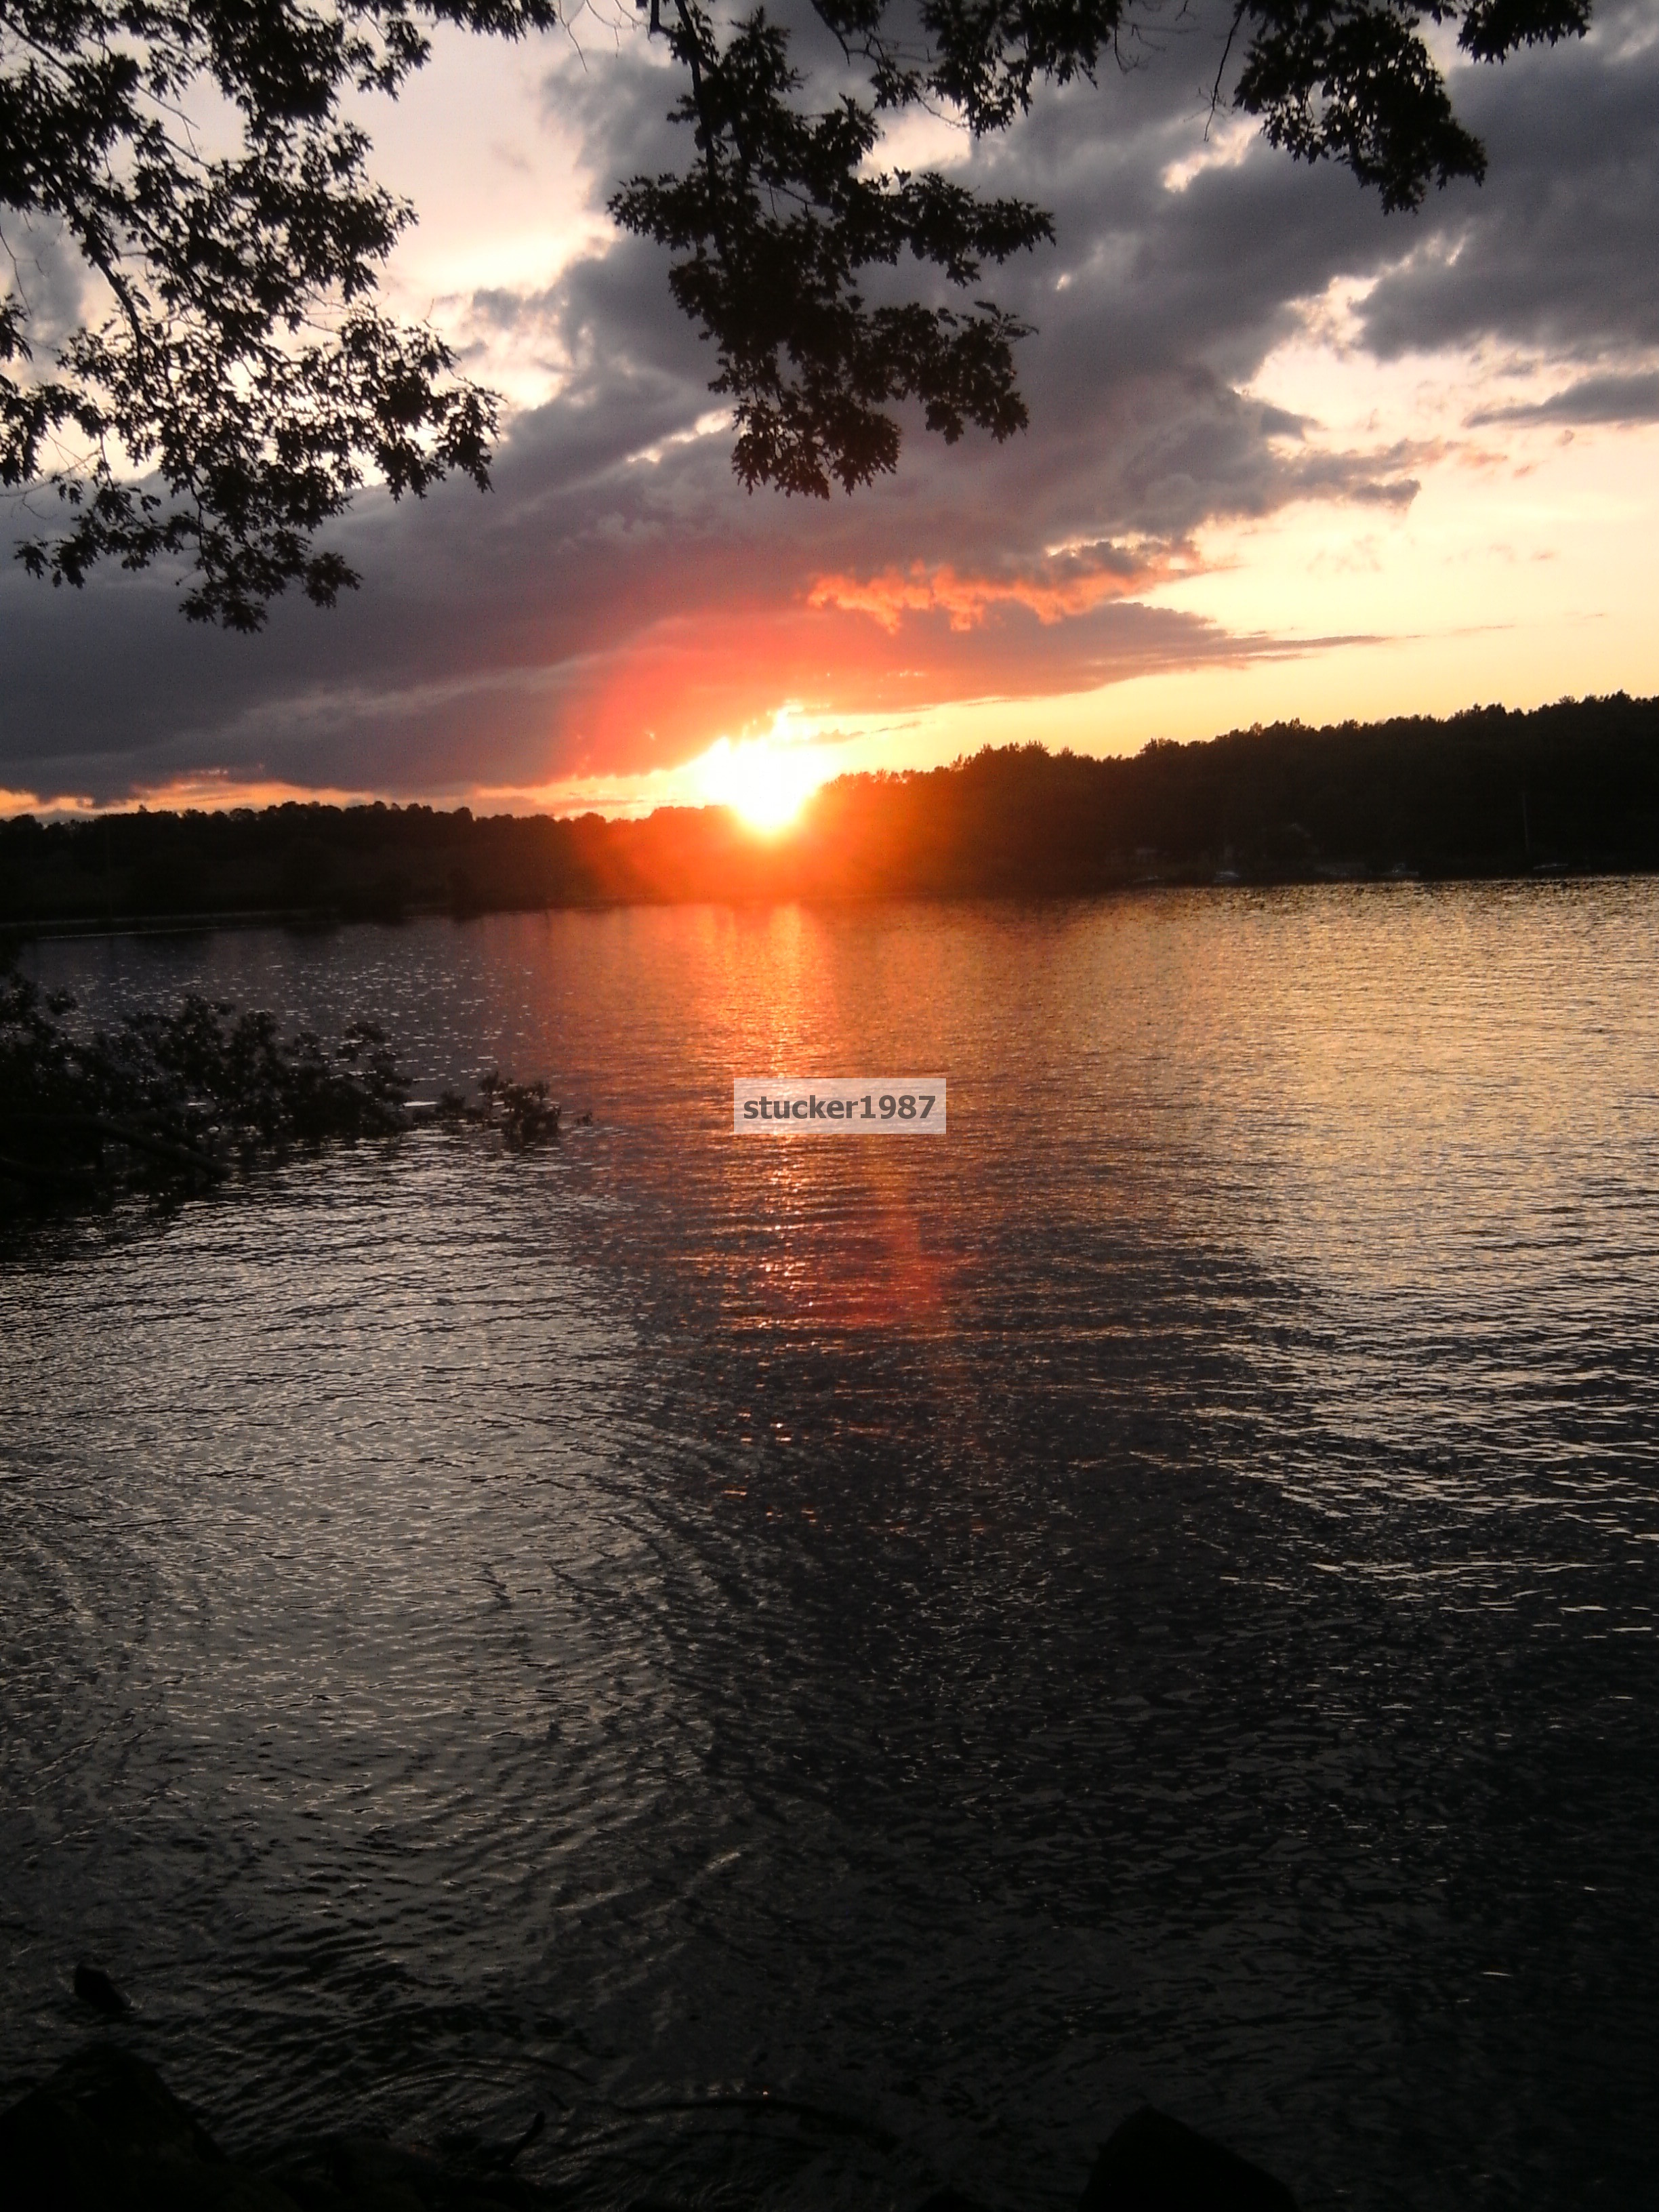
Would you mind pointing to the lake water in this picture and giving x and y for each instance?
(838, 1667)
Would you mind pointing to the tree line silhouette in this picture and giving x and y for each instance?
(1568, 787)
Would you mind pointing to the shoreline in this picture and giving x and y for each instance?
(1568, 790)
(325, 921)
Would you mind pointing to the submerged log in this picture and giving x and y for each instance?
(105, 1129)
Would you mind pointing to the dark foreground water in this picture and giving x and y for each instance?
(837, 1668)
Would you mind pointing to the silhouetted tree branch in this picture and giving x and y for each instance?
(235, 381)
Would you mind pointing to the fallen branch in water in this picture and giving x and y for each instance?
(523, 1112)
(172, 1102)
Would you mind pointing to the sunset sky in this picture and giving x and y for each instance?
(1287, 456)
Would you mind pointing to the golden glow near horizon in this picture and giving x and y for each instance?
(1521, 570)
(210, 792)
(766, 781)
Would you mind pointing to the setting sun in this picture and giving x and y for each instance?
(767, 779)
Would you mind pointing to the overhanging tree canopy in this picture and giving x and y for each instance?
(236, 379)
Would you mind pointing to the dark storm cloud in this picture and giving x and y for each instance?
(1592, 399)
(619, 598)
(1560, 251)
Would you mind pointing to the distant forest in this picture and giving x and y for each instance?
(1566, 788)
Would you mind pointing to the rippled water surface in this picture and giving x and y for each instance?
(836, 1668)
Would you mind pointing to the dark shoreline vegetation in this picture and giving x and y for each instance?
(172, 1104)
(105, 2134)
(1564, 789)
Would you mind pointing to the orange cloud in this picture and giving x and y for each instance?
(1070, 581)
(667, 695)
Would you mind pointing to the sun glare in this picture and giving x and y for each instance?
(764, 780)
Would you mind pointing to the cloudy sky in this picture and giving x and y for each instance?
(1287, 456)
